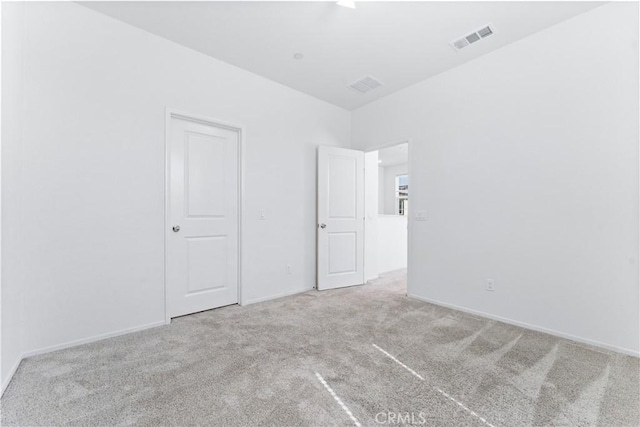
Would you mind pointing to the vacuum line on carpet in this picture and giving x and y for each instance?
(337, 399)
(399, 363)
(465, 408)
(460, 404)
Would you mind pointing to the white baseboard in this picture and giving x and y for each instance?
(92, 339)
(559, 334)
(76, 343)
(125, 331)
(11, 373)
(272, 297)
(95, 338)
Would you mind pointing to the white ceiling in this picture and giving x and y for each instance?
(395, 155)
(399, 43)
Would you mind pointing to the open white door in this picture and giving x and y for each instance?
(340, 217)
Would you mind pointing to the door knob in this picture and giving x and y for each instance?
(176, 228)
(322, 225)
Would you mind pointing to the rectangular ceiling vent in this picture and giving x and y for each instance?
(365, 84)
(480, 34)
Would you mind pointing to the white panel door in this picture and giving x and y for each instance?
(340, 217)
(202, 241)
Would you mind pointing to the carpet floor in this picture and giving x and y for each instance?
(365, 356)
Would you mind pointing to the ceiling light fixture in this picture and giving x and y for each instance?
(351, 4)
(298, 56)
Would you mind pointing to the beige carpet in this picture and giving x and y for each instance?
(358, 356)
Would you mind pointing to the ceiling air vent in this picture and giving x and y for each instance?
(484, 32)
(459, 44)
(365, 84)
(465, 41)
(472, 38)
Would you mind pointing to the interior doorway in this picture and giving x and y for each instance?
(362, 217)
(387, 201)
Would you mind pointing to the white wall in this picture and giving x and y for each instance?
(526, 162)
(12, 95)
(381, 189)
(371, 215)
(392, 242)
(83, 178)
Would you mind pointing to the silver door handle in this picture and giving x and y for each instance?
(322, 225)
(176, 228)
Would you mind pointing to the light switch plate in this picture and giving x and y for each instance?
(420, 215)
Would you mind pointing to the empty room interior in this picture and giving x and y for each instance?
(320, 213)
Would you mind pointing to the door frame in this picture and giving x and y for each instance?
(392, 143)
(171, 113)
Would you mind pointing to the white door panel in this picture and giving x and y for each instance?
(202, 255)
(340, 217)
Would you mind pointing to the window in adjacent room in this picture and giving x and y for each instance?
(402, 194)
